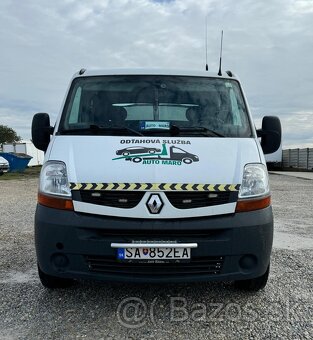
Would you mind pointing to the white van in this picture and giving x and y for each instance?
(154, 176)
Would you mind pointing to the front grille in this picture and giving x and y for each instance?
(130, 199)
(117, 199)
(189, 200)
(209, 265)
(128, 235)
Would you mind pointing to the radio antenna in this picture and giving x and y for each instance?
(221, 51)
(206, 43)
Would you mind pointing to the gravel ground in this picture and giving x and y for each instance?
(202, 311)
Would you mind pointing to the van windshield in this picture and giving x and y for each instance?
(145, 105)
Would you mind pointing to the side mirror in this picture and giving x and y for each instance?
(270, 134)
(41, 131)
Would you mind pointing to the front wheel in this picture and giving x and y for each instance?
(137, 159)
(54, 282)
(253, 285)
(187, 160)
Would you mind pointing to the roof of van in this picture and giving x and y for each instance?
(152, 71)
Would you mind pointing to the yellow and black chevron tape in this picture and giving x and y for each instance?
(155, 186)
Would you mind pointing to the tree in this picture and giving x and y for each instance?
(8, 135)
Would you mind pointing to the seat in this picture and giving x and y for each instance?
(105, 114)
(210, 115)
(117, 116)
(97, 111)
(193, 115)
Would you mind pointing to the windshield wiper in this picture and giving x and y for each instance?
(98, 129)
(203, 130)
(175, 130)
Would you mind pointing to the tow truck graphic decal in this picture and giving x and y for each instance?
(151, 155)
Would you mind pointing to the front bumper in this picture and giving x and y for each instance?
(4, 168)
(230, 247)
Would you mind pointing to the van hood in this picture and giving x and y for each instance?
(108, 159)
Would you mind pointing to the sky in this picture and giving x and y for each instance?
(268, 45)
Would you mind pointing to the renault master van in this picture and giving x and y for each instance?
(154, 176)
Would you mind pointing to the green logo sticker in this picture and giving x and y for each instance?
(172, 155)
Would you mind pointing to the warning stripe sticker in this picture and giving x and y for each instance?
(155, 186)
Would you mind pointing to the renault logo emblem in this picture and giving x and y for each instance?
(154, 204)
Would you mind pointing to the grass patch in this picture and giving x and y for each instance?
(32, 172)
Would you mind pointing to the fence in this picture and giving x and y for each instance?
(298, 158)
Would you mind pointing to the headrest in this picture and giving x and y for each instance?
(193, 113)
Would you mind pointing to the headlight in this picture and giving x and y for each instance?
(254, 182)
(53, 179)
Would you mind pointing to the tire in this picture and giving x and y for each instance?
(253, 285)
(187, 160)
(125, 153)
(53, 282)
(151, 151)
(137, 159)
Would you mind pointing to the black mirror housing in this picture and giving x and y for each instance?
(41, 131)
(271, 134)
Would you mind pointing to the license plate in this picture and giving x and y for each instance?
(153, 253)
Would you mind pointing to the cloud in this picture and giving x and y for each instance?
(298, 129)
(268, 46)
(14, 117)
(163, 1)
